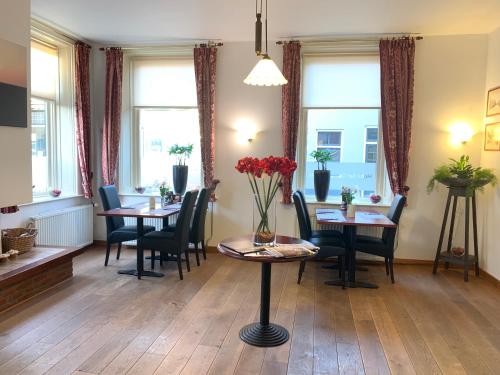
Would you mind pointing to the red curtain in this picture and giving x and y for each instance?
(82, 104)
(205, 61)
(9, 210)
(290, 108)
(397, 71)
(112, 114)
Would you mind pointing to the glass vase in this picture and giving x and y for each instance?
(264, 220)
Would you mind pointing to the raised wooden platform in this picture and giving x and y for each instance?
(33, 272)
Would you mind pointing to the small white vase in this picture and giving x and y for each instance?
(351, 210)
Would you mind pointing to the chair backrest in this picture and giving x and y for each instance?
(304, 228)
(306, 211)
(110, 200)
(199, 216)
(394, 214)
(181, 234)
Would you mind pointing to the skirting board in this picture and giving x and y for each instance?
(213, 249)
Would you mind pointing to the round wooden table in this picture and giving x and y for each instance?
(263, 333)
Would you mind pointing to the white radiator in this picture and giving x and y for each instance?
(157, 223)
(73, 226)
(367, 231)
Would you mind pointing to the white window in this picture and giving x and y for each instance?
(53, 148)
(331, 141)
(371, 144)
(164, 113)
(341, 95)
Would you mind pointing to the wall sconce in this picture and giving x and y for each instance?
(461, 133)
(246, 131)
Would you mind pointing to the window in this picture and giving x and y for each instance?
(371, 144)
(52, 119)
(341, 95)
(165, 112)
(330, 141)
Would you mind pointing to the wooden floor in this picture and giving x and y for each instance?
(105, 323)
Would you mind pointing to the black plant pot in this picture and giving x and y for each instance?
(180, 175)
(321, 184)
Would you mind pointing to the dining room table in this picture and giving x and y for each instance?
(365, 217)
(264, 333)
(142, 211)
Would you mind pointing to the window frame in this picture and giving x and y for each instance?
(331, 49)
(129, 167)
(62, 173)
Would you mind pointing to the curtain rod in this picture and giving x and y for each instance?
(348, 38)
(209, 44)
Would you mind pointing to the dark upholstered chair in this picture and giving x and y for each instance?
(307, 220)
(384, 246)
(176, 242)
(197, 230)
(332, 246)
(117, 231)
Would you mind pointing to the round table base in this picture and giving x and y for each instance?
(265, 336)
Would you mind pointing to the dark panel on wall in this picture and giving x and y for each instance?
(13, 106)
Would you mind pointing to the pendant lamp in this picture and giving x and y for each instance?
(266, 72)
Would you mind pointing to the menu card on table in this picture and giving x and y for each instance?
(246, 248)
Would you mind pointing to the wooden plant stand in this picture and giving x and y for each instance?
(446, 256)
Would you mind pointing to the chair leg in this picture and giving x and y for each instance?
(301, 270)
(179, 266)
(204, 250)
(391, 269)
(119, 250)
(386, 266)
(153, 255)
(186, 253)
(342, 274)
(340, 265)
(197, 254)
(161, 259)
(108, 249)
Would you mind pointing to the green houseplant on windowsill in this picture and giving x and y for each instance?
(322, 174)
(461, 175)
(180, 169)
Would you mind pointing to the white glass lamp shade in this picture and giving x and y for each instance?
(265, 73)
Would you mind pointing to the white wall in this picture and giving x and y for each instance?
(449, 84)
(15, 143)
(490, 249)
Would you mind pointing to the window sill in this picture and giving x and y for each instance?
(48, 198)
(336, 202)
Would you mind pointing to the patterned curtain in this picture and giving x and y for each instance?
(290, 108)
(82, 104)
(112, 114)
(205, 61)
(397, 70)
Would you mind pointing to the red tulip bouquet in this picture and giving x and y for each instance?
(265, 177)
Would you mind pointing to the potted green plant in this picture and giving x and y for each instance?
(180, 169)
(461, 175)
(165, 194)
(347, 196)
(321, 175)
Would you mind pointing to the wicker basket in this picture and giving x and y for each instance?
(21, 239)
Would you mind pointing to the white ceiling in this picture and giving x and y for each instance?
(155, 21)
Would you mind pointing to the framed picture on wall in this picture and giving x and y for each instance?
(493, 102)
(492, 137)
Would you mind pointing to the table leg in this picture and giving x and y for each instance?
(351, 255)
(139, 271)
(263, 333)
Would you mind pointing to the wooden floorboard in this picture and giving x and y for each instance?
(104, 323)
